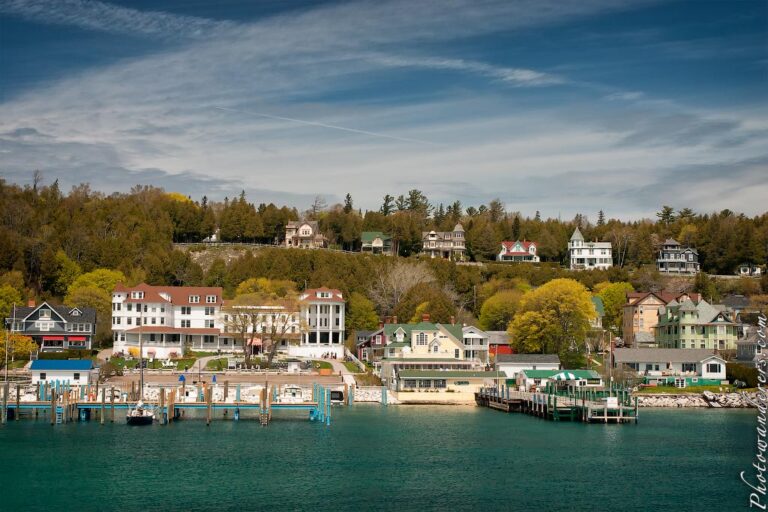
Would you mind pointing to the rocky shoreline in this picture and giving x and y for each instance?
(705, 399)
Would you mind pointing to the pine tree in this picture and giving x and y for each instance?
(516, 228)
(347, 203)
(387, 207)
(600, 218)
(537, 218)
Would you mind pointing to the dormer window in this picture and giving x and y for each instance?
(210, 299)
(323, 295)
(137, 295)
(45, 313)
(194, 299)
(76, 312)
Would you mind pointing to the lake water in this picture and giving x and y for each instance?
(379, 458)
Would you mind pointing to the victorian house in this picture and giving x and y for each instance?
(589, 255)
(676, 259)
(54, 328)
(376, 242)
(641, 314)
(518, 251)
(449, 245)
(700, 325)
(305, 235)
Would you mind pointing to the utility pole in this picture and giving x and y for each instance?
(8, 340)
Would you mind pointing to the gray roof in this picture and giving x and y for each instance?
(88, 315)
(661, 355)
(528, 358)
(498, 337)
(736, 301)
(577, 235)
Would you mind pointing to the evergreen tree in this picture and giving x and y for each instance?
(347, 203)
(600, 218)
(387, 206)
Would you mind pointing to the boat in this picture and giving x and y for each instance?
(140, 414)
(291, 394)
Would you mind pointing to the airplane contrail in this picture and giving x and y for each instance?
(331, 126)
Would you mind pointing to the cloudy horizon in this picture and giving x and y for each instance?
(557, 107)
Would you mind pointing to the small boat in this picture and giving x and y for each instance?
(291, 394)
(140, 415)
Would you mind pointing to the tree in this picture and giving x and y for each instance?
(19, 347)
(98, 299)
(318, 206)
(387, 206)
(499, 310)
(426, 300)
(267, 288)
(103, 278)
(614, 296)
(600, 218)
(554, 319)
(361, 314)
(704, 285)
(666, 215)
(8, 297)
(392, 282)
(348, 203)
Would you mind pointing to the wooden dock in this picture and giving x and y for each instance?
(584, 407)
(65, 403)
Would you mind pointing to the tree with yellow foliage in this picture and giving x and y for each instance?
(553, 318)
(19, 347)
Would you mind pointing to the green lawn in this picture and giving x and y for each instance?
(217, 365)
(352, 367)
(322, 365)
(17, 364)
(156, 364)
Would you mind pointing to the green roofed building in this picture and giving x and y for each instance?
(530, 379)
(376, 242)
(452, 381)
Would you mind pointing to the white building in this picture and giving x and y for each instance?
(75, 372)
(589, 255)
(305, 235)
(512, 364)
(257, 323)
(322, 319)
(475, 343)
(518, 251)
(672, 366)
(168, 319)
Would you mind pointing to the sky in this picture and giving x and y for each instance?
(551, 106)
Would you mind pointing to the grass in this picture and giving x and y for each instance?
(352, 367)
(671, 390)
(155, 364)
(217, 365)
(322, 365)
(19, 363)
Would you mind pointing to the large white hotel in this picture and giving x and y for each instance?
(170, 319)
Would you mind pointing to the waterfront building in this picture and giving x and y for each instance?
(748, 350)
(512, 364)
(450, 386)
(75, 371)
(322, 317)
(672, 366)
(475, 344)
(304, 235)
(55, 328)
(674, 258)
(699, 325)
(252, 325)
(376, 242)
(585, 255)
(449, 245)
(169, 319)
(518, 251)
(528, 380)
(641, 314)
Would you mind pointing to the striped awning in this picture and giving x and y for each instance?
(564, 376)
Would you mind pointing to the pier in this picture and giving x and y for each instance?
(63, 403)
(588, 406)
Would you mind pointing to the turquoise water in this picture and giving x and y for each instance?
(377, 458)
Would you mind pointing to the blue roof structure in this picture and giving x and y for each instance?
(52, 365)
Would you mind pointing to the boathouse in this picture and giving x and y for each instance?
(74, 372)
(438, 386)
(539, 379)
(679, 367)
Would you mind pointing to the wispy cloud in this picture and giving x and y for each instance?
(107, 17)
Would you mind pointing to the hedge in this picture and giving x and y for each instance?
(67, 354)
(734, 371)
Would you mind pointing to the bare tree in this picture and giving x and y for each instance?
(394, 281)
(318, 205)
(621, 238)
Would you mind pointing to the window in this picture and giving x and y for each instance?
(410, 384)
(435, 347)
(689, 367)
(186, 323)
(440, 383)
(186, 310)
(209, 311)
(129, 321)
(457, 353)
(648, 367)
(42, 375)
(421, 338)
(210, 299)
(194, 299)
(137, 295)
(713, 368)
(129, 306)
(425, 383)
(45, 313)
(209, 324)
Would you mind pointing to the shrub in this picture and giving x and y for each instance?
(66, 354)
(735, 371)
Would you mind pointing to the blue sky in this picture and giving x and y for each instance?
(561, 107)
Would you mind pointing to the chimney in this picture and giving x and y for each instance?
(453, 320)
(425, 317)
(381, 324)
(394, 319)
(31, 303)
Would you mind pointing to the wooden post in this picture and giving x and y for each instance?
(53, 406)
(112, 405)
(103, 405)
(226, 390)
(162, 406)
(18, 399)
(209, 400)
(4, 413)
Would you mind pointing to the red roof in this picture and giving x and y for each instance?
(179, 295)
(311, 295)
(508, 246)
